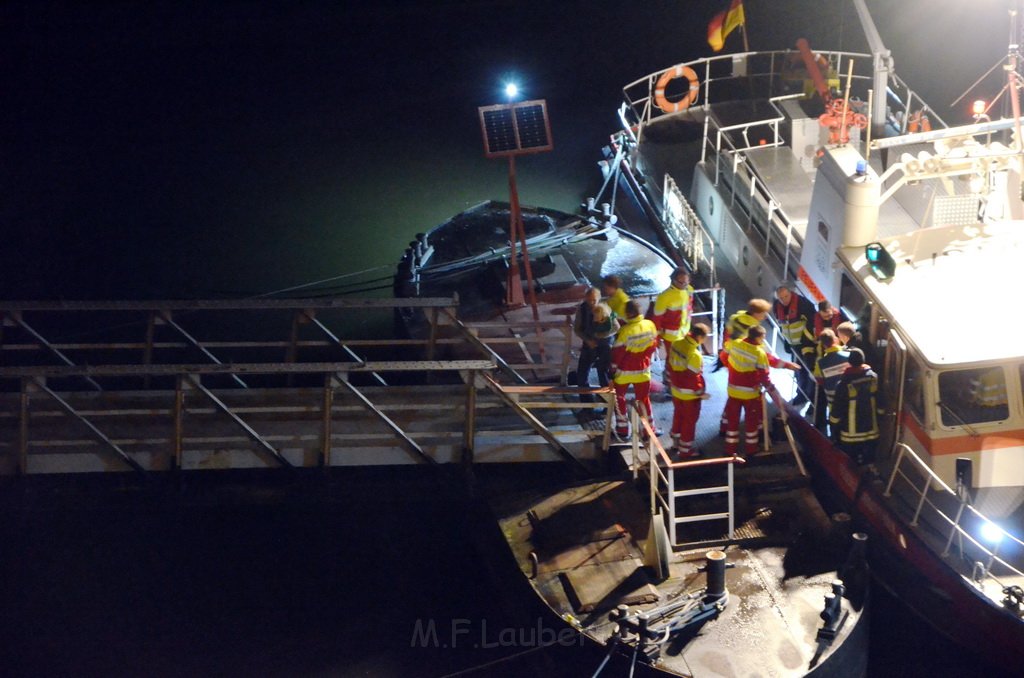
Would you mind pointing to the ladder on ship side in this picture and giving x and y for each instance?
(667, 492)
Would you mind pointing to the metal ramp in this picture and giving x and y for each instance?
(107, 401)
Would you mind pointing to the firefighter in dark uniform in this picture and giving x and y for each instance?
(832, 362)
(855, 410)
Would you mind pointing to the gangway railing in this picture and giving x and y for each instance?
(167, 331)
(142, 408)
(122, 332)
(523, 399)
(665, 492)
(126, 374)
(933, 500)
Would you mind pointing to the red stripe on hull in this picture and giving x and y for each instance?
(916, 573)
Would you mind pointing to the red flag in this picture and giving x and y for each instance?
(724, 23)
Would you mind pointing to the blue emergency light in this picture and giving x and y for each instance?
(883, 266)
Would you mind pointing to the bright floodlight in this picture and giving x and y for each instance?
(979, 107)
(511, 90)
(991, 533)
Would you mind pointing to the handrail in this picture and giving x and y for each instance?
(664, 473)
(957, 529)
(536, 424)
(639, 94)
(716, 70)
(58, 371)
(254, 304)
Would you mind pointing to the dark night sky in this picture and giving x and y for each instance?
(187, 149)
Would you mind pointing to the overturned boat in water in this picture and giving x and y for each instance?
(469, 257)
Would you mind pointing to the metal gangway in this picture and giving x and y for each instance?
(145, 386)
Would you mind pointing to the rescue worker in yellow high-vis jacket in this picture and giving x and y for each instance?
(748, 364)
(614, 295)
(672, 308)
(631, 365)
(686, 368)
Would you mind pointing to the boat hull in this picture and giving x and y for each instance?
(907, 566)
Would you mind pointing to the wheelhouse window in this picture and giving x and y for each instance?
(913, 389)
(974, 396)
(852, 301)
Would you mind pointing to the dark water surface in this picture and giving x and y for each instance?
(184, 149)
(384, 573)
(188, 149)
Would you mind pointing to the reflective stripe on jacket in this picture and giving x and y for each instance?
(855, 410)
(686, 365)
(796, 320)
(672, 312)
(748, 369)
(830, 368)
(631, 353)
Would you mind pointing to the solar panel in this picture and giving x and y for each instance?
(532, 124)
(515, 129)
(499, 130)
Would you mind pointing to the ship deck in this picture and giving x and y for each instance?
(588, 544)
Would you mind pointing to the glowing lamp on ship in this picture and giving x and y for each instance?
(978, 109)
(991, 532)
(883, 266)
(511, 91)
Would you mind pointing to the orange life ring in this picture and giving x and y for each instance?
(667, 77)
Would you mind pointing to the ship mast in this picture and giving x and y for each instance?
(881, 65)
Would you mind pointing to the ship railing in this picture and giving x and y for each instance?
(949, 511)
(686, 230)
(728, 145)
(666, 489)
(765, 217)
(765, 74)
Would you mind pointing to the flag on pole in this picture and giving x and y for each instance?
(723, 24)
